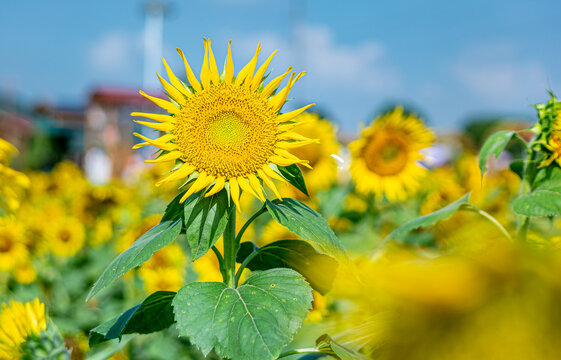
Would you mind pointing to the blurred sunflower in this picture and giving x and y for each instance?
(12, 183)
(12, 248)
(385, 157)
(323, 173)
(225, 130)
(161, 279)
(18, 322)
(67, 237)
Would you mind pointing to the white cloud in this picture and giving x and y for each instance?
(329, 63)
(497, 74)
(113, 52)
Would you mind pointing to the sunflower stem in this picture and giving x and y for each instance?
(248, 222)
(230, 248)
(522, 222)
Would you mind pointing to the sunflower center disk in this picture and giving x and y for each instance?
(226, 131)
(387, 155)
(5, 244)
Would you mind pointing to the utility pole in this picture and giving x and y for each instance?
(153, 38)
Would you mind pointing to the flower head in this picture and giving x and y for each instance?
(18, 322)
(385, 158)
(225, 130)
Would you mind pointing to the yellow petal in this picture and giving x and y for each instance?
(214, 75)
(292, 136)
(273, 84)
(291, 115)
(218, 185)
(164, 104)
(157, 117)
(175, 81)
(229, 71)
(167, 157)
(272, 173)
(244, 185)
(296, 144)
(157, 142)
(202, 181)
(267, 180)
(184, 171)
(190, 76)
(205, 73)
(235, 192)
(256, 185)
(173, 92)
(279, 160)
(285, 153)
(246, 73)
(157, 126)
(279, 99)
(259, 74)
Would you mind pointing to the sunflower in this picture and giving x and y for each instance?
(12, 182)
(67, 237)
(385, 157)
(12, 248)
(225, 130)
(554, 146)
(161, 279)
(324, 167)
(18, 322)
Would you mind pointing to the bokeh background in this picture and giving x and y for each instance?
(64, 64)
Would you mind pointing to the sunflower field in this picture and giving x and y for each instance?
(255, 233)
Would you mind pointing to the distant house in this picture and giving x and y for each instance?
(108, 138)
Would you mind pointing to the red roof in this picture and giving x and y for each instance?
(122, 97)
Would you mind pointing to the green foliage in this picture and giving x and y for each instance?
(432, 218)
(175, 210)
(140, 251)
(252, 322)
(319, 270)
(205, 221)
(538, 203)
(154, 314)
(326, 344)
(306, 223)
(494, 145)
(293, 175)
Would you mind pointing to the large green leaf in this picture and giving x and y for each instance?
(252, 322)
(538, 203)
(205, 221)
(141, 250)
(154, 314)
(431, 219)
(293, 175)
(318, 269)
(494, 145)
(306, 223)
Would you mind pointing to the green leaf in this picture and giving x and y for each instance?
(154, 314)
(494, 145)
(141, 250)
(174, 210)
(548, 178)
(306, 223)
(538, 203)
(319, 270)
(205, 221)
(431, 219)
(328, 345)
(252, 322)
(293, 175)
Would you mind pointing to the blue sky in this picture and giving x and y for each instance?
(449, 59)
